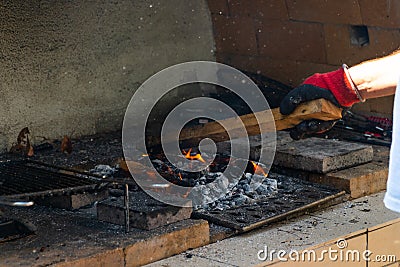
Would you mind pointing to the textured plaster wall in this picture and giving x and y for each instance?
(72, 66)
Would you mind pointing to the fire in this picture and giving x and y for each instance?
(258, 169)
(193, 157)
(171, 172)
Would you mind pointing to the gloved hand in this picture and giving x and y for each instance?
(336, 87)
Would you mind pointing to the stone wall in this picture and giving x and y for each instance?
(70, 67)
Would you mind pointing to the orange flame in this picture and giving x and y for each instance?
(180, 175)
(258, 169)
(195, 157)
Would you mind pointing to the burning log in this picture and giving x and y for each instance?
(318, 109)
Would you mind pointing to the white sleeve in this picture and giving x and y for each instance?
(392, 196)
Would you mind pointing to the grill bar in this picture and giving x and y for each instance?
(28, 179)
(21, 181)
(24, 178)
(294, 197)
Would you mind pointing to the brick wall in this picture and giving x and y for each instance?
(288, 40)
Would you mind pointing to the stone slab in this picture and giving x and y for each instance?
(144, 211)
(168, 244)
(358, 181)
(77, 238)
(73, 202)
(322, 155)
(114, 257)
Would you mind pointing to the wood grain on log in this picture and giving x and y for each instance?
(255, 123)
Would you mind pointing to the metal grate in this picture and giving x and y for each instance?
(26, 178)
(294, 197)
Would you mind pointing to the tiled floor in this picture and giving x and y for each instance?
(297, 234)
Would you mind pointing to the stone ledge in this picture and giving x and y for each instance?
(181, 237)
(322, 155)
(168, 244)
(114, 257)
(65, 238)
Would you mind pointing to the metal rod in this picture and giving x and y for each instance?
(126, 204)
(87, 174)
(17, 203)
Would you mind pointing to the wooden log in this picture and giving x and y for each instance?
(317, 109)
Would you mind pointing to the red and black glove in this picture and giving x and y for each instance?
(335, 86)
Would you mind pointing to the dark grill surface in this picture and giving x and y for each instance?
(26, 178)
(294, 197)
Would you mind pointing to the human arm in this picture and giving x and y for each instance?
(343, 87)
(377, 77)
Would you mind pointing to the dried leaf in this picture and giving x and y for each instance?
(22, 136)
(66, 145)
(29, 147)
(30, 152)
(23, 145)
(122, 164)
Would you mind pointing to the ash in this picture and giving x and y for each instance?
(210, 182)
(104, 171)
(239, 194)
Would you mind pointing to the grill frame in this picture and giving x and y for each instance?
(294, 197)
(27, 178)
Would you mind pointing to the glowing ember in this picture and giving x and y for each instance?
(258, 169)
(189, 156)
(170, 171)
(180, 175)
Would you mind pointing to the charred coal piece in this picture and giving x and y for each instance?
(231, 183)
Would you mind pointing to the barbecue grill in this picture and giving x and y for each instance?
(25, 178)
